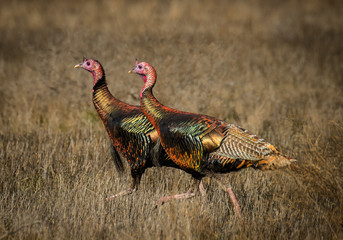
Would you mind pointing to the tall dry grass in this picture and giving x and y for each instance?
(273, 68)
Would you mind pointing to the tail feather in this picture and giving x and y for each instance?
(274, 162)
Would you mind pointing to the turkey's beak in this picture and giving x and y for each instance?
(78, 65)
(133, 70)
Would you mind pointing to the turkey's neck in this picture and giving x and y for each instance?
(152, 108)
(103, 100)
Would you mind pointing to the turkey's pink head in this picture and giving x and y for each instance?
(142, 69)
(147, 72)
(93, 66)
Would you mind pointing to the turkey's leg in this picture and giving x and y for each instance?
(233, 198)
(190, 193)
(202, 188)
(135, 180)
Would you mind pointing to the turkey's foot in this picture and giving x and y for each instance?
(135, 180)
(189, 194)
(165, 199)
(122, 193)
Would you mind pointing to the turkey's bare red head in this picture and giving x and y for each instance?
(142, 69)
(147, 72)
(92, 66)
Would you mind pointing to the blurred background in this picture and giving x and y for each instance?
(273, 67)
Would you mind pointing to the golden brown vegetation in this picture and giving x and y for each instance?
(274, 68)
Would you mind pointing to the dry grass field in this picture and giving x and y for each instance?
(273, 67)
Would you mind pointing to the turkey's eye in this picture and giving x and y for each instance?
(88, 63)
(140, 66)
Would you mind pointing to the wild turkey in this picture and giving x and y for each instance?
(201, 144)
(130, 132)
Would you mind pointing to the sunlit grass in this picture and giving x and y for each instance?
(275, 69)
